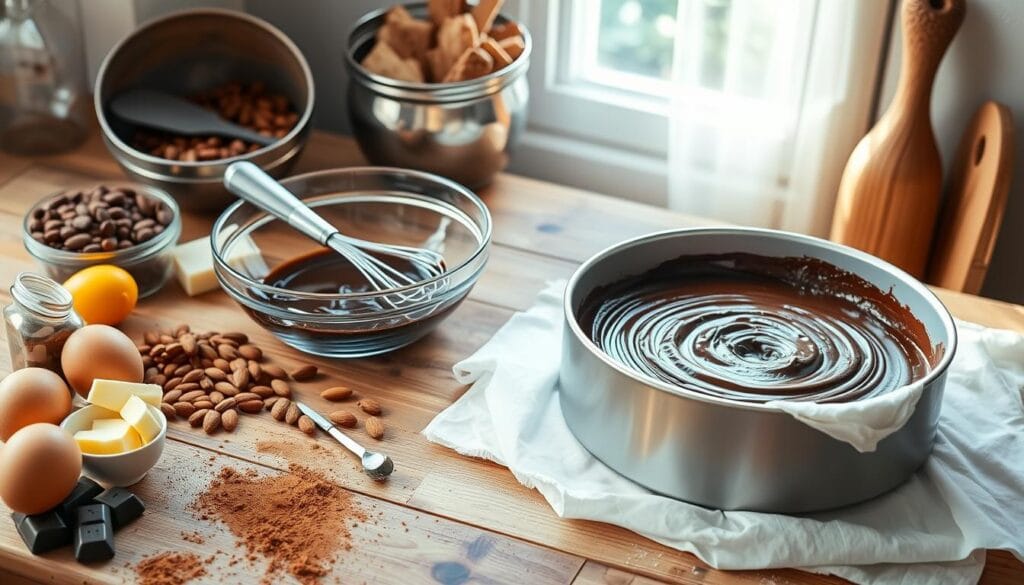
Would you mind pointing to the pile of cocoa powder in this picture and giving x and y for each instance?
(170, 568)
(298, 521)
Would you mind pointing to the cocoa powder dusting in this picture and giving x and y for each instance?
(170, 568)
(298, 521)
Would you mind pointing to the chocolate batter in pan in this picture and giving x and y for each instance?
(753, 329)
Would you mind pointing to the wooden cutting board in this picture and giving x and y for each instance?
(973, 210)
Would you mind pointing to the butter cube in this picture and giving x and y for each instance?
(193, 262)
(142, 419)
(113, 394)
(109, 437)
(102, 424)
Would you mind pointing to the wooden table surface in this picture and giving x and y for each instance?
(438, 506)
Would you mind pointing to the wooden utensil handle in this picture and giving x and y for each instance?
(928, 27)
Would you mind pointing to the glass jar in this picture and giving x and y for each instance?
(150, 263)
(39, 320)
(44, 98)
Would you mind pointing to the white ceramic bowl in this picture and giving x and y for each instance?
(122, 469)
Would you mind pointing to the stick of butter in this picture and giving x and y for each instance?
(113, 394)
(193, 262)
(142, 419)
(108, 437)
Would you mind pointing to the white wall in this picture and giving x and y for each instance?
(983, 63)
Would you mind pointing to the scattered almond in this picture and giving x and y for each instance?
(280, 408)
(211, 422)
(250, 352)
(196, 419)
(336, 394)
(304, 373)
(192, 396)
(262, 391)
(293, 414)
(172, 396)
(370, 406)
(251, 406)
(307, 425)
(184, 409)
(374, 427)
(203, 404)
(343, 418)
(168, 410)
(229, 420)
(281, 388)
(275, 372)
(226, 404)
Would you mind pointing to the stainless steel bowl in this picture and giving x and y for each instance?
(721, 453)
(191, 51)
(463, 131)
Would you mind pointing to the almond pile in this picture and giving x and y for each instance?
(210, 379)
(459, 42)
(343, 418)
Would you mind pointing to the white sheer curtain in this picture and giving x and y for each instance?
(769, 97)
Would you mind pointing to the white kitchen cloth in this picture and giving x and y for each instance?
(968, 497)
(862, 423)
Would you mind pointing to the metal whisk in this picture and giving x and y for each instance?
(250, 183)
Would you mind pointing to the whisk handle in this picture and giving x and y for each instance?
(251, 184)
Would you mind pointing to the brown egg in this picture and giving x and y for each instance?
(39, 466)
(99, 351)
(32, 395)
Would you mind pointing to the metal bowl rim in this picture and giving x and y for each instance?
(294, 133)
(471, 88)
(481, 250)
(573, 323)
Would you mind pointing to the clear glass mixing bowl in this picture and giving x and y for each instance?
(386, 205)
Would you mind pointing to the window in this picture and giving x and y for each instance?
(613, 81)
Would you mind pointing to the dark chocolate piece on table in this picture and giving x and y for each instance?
(84, 493)
(94, 513)
(94, 542)
(124, 505)
(42, 532)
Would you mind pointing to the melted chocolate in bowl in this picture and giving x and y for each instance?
(753, 328)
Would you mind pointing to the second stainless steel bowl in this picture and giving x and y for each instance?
(192, 51)
(722, 453)
(463, 131)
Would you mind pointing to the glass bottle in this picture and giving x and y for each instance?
(44, 100)
(39, 320)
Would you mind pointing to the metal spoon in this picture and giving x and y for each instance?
(170, 113)
(376, 465)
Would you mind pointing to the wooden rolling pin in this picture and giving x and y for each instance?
(890, 191)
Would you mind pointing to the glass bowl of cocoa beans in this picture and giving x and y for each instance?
(129, 225)
(235, 64)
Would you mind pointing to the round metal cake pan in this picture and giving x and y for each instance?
(733, 455)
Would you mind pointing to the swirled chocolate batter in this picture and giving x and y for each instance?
(754, 328)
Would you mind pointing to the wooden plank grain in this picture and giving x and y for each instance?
(393, 545)
(541, 232)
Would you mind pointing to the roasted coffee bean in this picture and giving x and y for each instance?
(98, 220)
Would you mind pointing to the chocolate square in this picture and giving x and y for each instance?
(42, 532)
(94, 542)
(84, 493)
(94, 513)
(124, 505)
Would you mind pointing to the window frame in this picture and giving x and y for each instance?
(615, 141)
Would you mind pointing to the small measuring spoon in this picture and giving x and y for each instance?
(376, 465)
